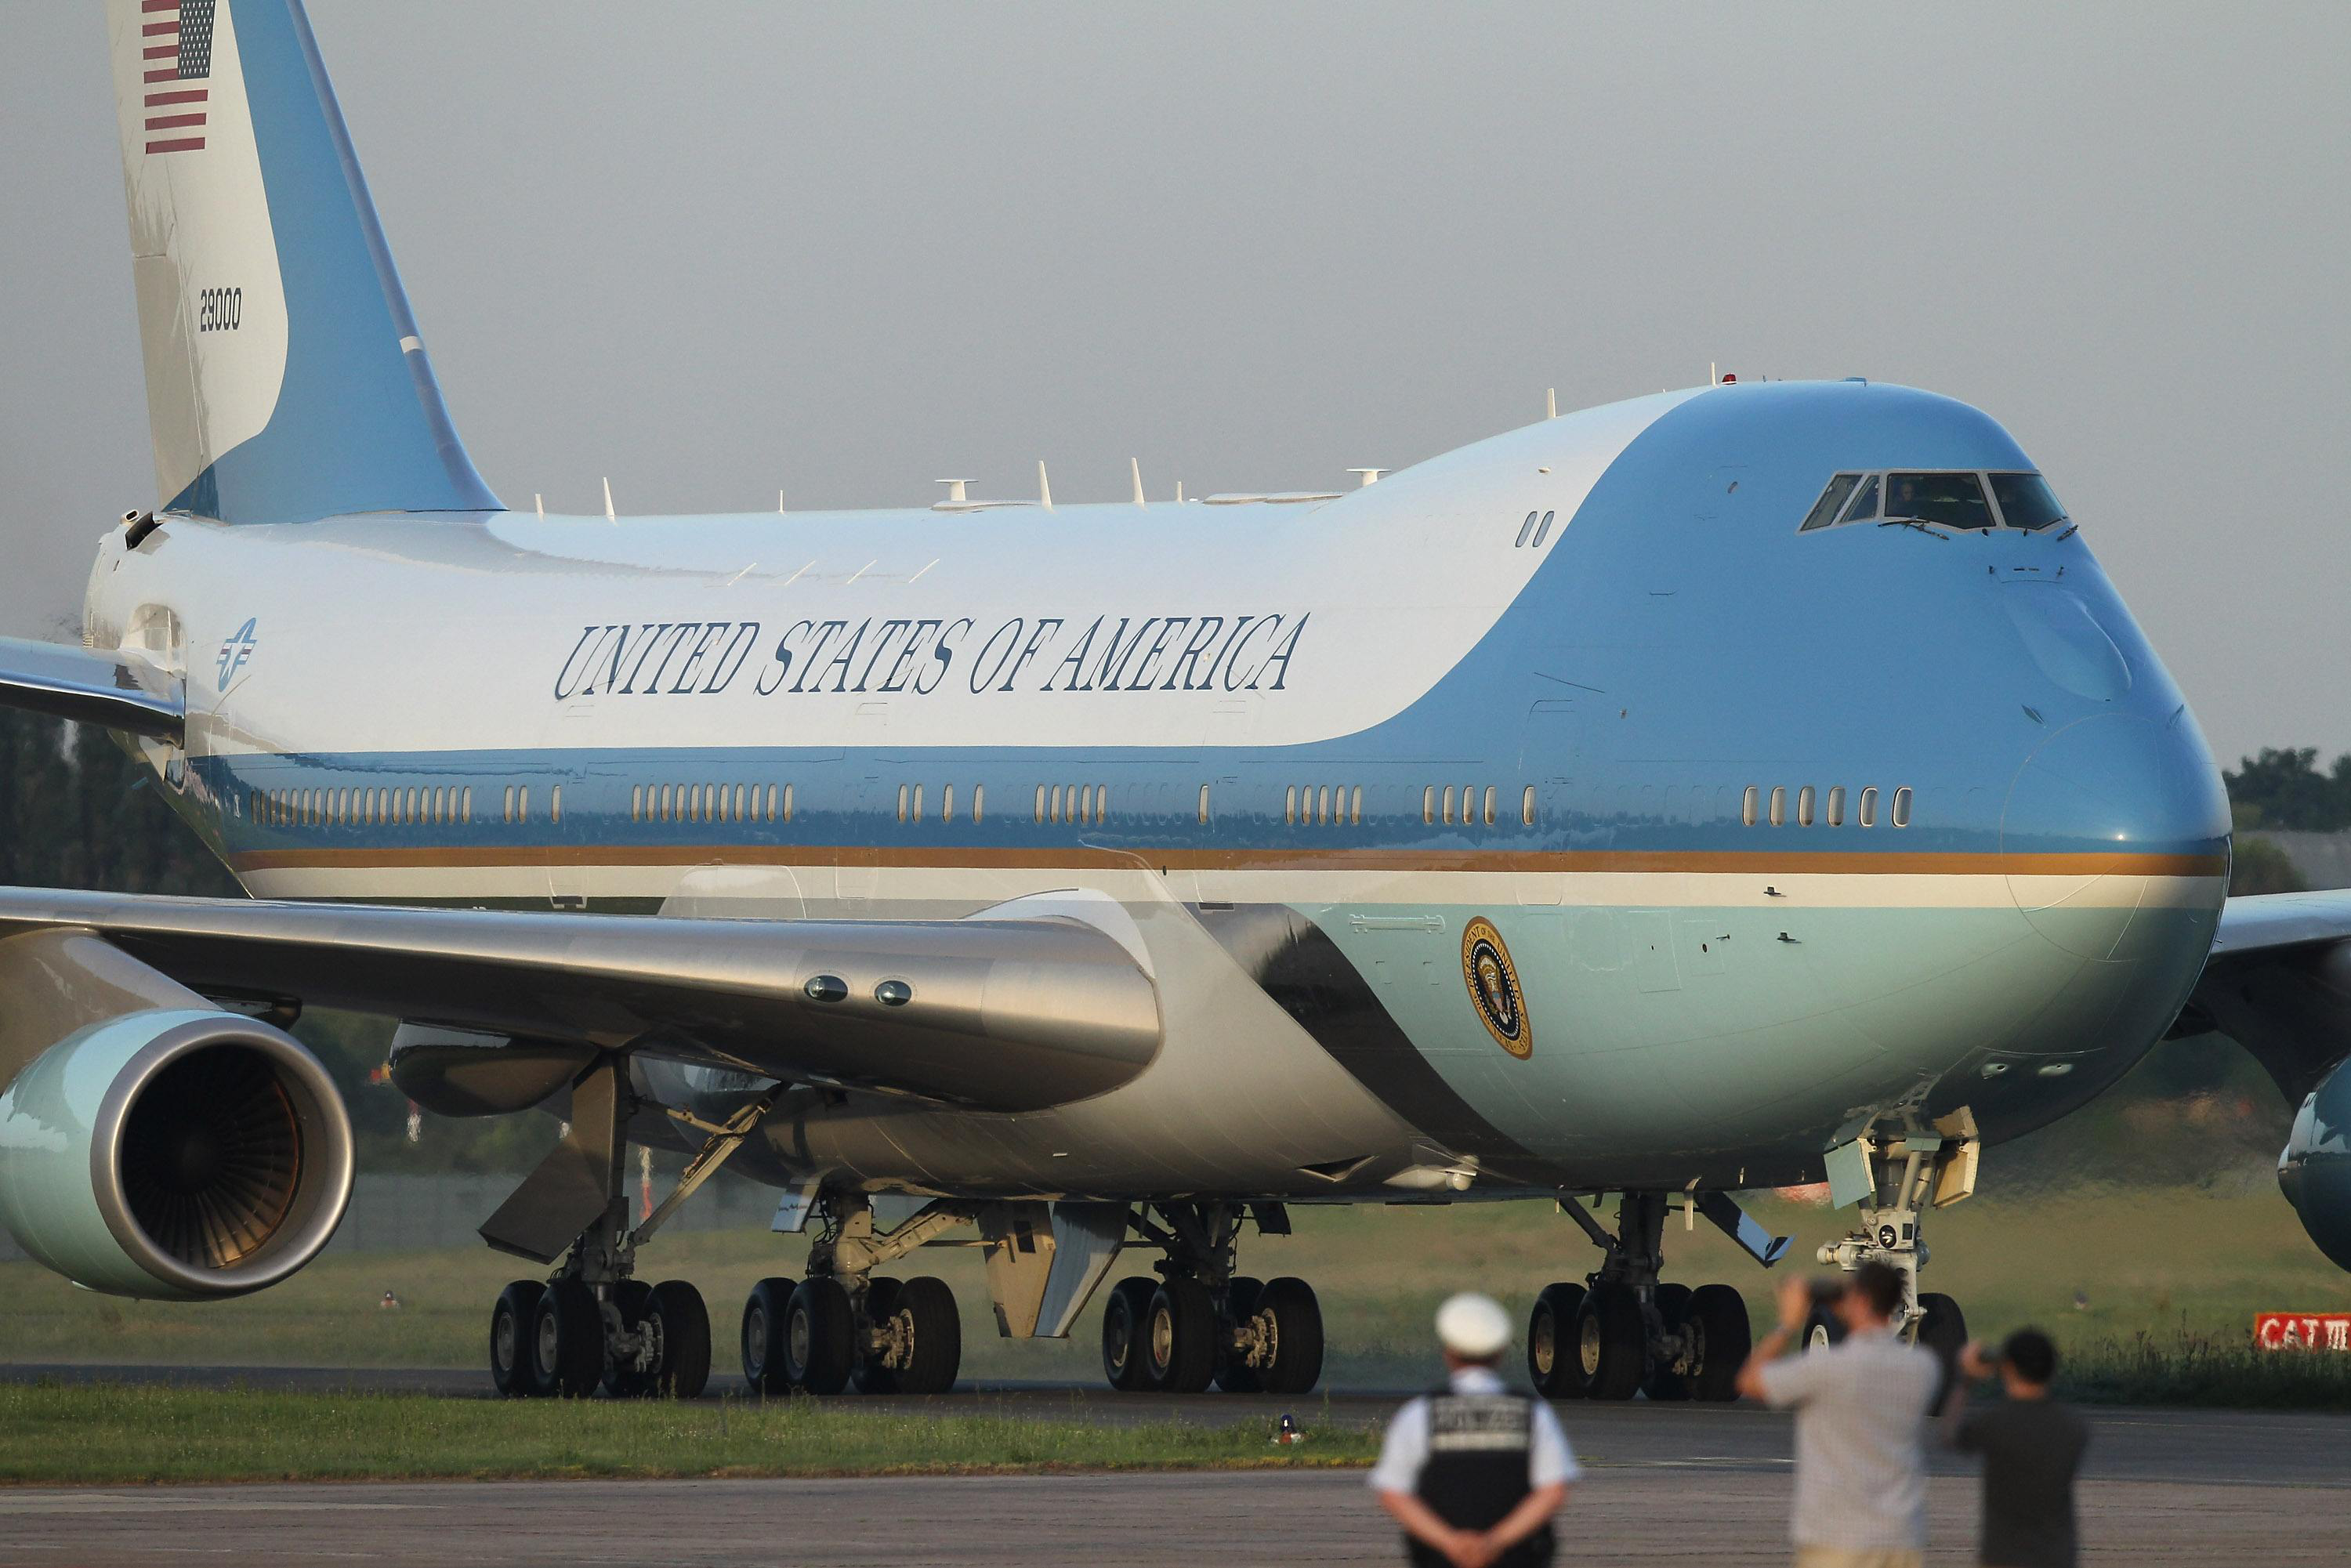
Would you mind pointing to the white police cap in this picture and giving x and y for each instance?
(1473, 1327)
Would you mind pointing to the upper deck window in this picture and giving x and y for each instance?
(2026, 501)
(1954, 500)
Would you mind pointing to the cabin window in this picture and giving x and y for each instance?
(2026, 501)
(555, 804)
(522, 804)
(947, 802)
(1527, 806)
(1869, 807)
(509, 803)
(979, 800)
(636, 802)
(1041, 802)
(1542, 530)
(1490, 805)
(1323, 807)
(1289, 804)
(1053, 806)
(1204, 805)
(465, 810)
(771, 802)
(1355, 807)
(1825, 510)
(1954, 500)
(1865, 502)
(1836, 806)
(1445, 808)
(1428, 803)
(918, 802)
(1524, 530)
(1778, 806)
(902, 802)
(1804, 807)
(1902, 807)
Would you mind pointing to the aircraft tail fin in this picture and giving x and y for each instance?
(286, 377)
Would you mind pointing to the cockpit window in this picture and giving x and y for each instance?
(1865, 504)
(1954, 500)
(2026, 501)
(1825, 510)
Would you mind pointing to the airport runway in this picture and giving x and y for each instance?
(1693, 1484)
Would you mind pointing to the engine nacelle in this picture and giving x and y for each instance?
(2316, 1168)
(176, 1154)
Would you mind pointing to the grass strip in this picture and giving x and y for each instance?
(2209, 1370)
(108, 1433)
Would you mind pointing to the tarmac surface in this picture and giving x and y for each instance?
(1663, 1483)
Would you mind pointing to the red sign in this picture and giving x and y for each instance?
(2303, 1331)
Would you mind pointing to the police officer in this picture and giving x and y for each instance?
(1473, 1472)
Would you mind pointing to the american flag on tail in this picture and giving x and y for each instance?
(176, 48)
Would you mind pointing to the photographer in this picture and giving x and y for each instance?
(1861, 1413)
(2031, 1448)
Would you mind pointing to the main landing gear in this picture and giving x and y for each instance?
(1200, 1322)
(846, 1325)
(1624, 1332)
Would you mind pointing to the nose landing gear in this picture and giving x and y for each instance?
(1897, 1177)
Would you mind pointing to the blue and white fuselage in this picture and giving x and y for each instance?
(1777, 829)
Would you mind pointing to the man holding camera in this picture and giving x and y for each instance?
(1860, 1409)
(2031, 1448)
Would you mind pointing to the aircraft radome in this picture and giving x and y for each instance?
(1748, 785)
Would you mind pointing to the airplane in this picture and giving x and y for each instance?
(1753, 784)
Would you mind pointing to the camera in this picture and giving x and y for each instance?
(1826, 1290)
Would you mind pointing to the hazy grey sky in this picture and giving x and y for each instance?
(712, 248)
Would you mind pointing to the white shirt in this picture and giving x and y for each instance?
(1861, 1417)
(1405, 1449)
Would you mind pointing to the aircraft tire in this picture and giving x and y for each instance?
(684, 1370)
(511, 1322)
(1297, 1336)
(1822, 1328)
(818, 1343)
(1551, 1341)
(1944, 1330)
(1717, 1313)
(765, 1317)
(1611, 1341)
(1663, 1383)
(872, 1376)
(1235, 1376)
(633, 1299)
(1180, 1338)
(568, 1341)
(937, 1327)
(1124, 1313)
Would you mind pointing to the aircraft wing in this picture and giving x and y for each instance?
(1001, 1015)
(119, 690)
(2278, 983)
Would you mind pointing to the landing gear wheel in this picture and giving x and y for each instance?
(634, 1378)
(1611, 1341)
(874, 1374)
(1663, 1382)
(1179, 1341)
(1822, 1329)
(1296, 1330)
(819, 1338)
(1234, 1374)
(1944, 1330)
(1551, 1341)
(1125, 1315)
(685, 1322)
(931, 1330)
(764, 1314)
(512, 1322)
(567, 1341)
(1716, 1321)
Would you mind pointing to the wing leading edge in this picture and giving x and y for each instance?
(999, 1015)
(116, 690)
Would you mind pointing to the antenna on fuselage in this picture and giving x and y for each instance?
(1366, 475)
(1179, 492)
(1044, 488)
(779, 503)
(1136, 464)
(1550, 403)
(538, 502)
(608, 501)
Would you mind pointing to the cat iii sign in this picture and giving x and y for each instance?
(2303, 1331)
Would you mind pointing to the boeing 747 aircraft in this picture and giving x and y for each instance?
(1746, 784)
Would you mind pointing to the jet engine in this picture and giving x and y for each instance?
(173, 1153)
(2316, 1168)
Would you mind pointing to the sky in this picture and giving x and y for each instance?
(712, 248)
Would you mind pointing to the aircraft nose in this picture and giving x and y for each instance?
(2099, 807)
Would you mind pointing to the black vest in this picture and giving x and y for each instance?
(1479, 1447)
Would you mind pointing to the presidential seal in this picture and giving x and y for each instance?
(1494, 988)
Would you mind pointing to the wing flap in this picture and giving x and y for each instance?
(1005, 1015)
